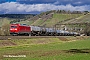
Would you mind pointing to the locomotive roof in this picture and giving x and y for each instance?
(19, 24)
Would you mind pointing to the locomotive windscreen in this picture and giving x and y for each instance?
(13, 26)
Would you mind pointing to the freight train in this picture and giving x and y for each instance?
(19, 29)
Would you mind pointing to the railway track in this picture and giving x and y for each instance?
(26, 37)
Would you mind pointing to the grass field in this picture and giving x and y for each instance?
(46, 49)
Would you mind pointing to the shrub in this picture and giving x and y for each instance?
(87, 31)
(5, 29)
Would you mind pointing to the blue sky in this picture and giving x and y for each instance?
(10, 0)
(37, 6)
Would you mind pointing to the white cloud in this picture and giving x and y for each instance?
(57, 2)
(79, 2)
(14, 7)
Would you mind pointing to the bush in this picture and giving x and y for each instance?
(5, 29)
(0, 31)
(87, 31)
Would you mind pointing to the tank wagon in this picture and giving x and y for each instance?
(17, 29)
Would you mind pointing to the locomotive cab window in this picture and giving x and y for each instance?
(13, 26)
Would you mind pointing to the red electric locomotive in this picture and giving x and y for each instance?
(16, 29)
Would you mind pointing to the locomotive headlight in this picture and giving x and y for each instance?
(11, 29)
(15, 29)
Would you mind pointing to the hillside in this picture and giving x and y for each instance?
(81, 19)
(51, 18)
(13, 18)
(48, 19)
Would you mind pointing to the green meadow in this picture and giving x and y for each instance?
(75, 48)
